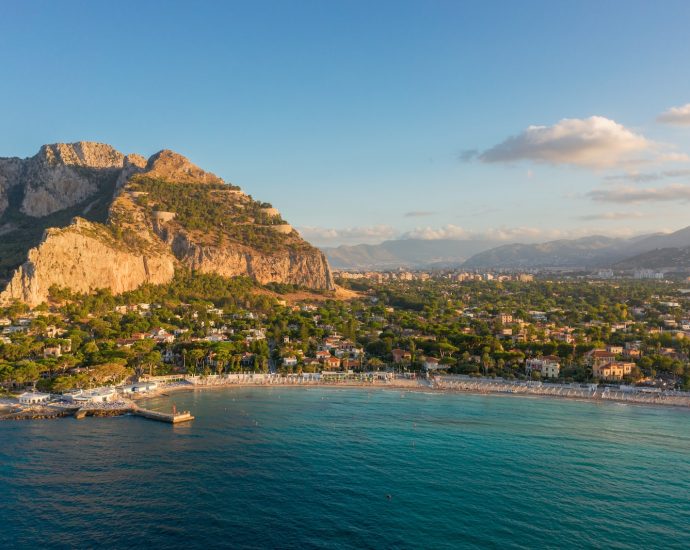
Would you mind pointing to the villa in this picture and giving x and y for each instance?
(614, 370)
(549, 366)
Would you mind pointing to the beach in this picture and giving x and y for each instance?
(444, 384)
(10, 410)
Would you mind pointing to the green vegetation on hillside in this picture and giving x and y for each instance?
(217, 213)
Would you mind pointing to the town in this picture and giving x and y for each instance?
(631, 333)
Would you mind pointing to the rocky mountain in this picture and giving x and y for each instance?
(84, 216)
(406, 253)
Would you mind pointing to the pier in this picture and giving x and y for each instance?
(171, 418)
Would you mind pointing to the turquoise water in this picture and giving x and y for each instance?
(326, 468)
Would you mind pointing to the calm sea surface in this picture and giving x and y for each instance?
(327, 468)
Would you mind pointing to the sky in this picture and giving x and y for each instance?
(364, 121)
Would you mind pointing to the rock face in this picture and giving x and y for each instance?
(164, 214)
(82, 258)
(62, 175)
(286, 266)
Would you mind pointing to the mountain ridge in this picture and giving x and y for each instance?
(109, 220)
(593, 251)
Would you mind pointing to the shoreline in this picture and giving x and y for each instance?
(481, 388)
(652, 401)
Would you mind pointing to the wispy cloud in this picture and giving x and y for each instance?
(455, 232)
(594, 142)
(468, 155)
(611, 216)
(418, 214)
(328, 237)
(629, 194)
(351, 235)
(646, 177)
(678, 116)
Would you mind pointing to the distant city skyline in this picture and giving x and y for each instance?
(364, 122)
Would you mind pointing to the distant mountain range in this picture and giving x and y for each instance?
(407, 253)
(662, 257)
(660, 250)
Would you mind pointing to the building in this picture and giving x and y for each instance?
(615, 370)
(331, 363)
(548, 366)
(161, 335)
(139, 387)
(504, 318)
(322, 355)
(52, 351)
(33, 398)
(290, 361)
(431, 363)
(96, 395)
(600, 357)
(398, 355)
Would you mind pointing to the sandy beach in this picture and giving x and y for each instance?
(446, 385)
(10, 410)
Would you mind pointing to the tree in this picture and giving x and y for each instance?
(375, 363)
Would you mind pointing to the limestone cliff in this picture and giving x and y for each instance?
(285, 266)
(163, 214)
(83, 257)
(62, 175)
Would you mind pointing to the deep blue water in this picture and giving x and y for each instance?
(313, 468)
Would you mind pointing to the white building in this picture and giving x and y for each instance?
(33, 398)
(140, 387)
(96, 395)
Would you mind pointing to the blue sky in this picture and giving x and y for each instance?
(363, 121)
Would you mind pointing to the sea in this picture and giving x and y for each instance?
(351, 468)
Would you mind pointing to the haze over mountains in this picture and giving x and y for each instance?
(670, 250)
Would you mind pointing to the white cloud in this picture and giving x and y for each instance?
(594, 142)
(327, 236)
(430, 233)
(612, 216)
(418, 214)
(679, 116)
(455, 232)
(645, 177)
(628, 194)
